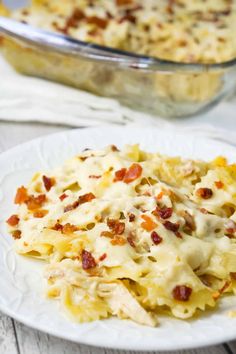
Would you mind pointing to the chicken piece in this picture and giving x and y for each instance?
(122, 302)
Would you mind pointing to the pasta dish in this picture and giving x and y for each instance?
(131, 234)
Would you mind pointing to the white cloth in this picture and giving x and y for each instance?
(25, 99)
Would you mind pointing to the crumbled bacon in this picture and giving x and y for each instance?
(95, 176)
(171, 226)
(204, 211)
(204, 193)
(35, 202)
(88, 260)
(189, 221)
(120, 174)
(118, 241)
(102, 257)
(48, 182)
(116, 226)
(160, 195)
(182, 293)
(88, 197)
(69, 228)
(230, 225)
(21, 195)
(114, 148)
(164, 213)
(40, 213)
(123, 2)
(134, 172)
(75, 17)
(156, 238)
(107, 234)
(16, 234)
(131, 239)
(70, 207)
(63, 196)
(219, 184)
(131, 217)
(97, 21)
(233, 275)
(57, 227)
(13, 220)
(81, 200)
(128, 17)
(148, 223)
(178, 234)
(217, 294)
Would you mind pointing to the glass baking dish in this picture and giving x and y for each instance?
(166, 88)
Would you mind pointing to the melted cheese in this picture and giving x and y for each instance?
(195, 250)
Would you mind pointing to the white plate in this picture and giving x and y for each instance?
(21, 283)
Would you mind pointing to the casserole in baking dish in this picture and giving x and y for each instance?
(193, 41)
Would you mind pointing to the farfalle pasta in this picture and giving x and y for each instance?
(131, 234)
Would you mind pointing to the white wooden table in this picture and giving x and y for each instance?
(16, 338)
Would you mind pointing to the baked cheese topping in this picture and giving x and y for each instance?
(179, 30)
(131, 234)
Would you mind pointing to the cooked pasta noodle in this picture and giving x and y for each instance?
(131, 234)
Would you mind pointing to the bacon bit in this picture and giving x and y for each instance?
(128, 17)
(83, 158)
(156, 238)
(170, 7)
(178, 234)
(182, 293)
(164, 213)
(217, 294)
(148, 223)
(75, 17)
(16, 234)
(123, 2)
(120, 174)
(70, 207)
(88, 260)
(116, 226)
(160, 195)
(63, 196)
(114, 148)
(133, 173)
(35, 202)
(230, 228)
(107, 234)
(219, 184)
(40, 213)
(204, 211)
(88, 197)
(205, 193)
(48, 182)
(95, 177)
(171, 226)
(233, 275)
(131, 217)
(57, 227)
(189, 221)
(13, 220)
(118, 241)
(81, 200)
(131, 239)
(25, 244)
(103, 256)
(21, 195)
(69, 228)
(97, 21)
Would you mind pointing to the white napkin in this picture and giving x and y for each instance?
(25, 99)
